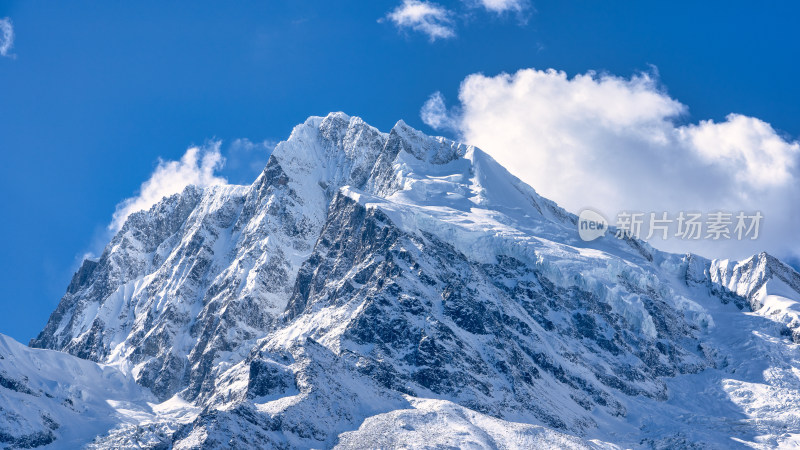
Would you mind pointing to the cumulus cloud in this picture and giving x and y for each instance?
(429, 18)
(618, 144)
(6, 37)
(198, 167)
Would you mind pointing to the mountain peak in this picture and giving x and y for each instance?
(366, 276)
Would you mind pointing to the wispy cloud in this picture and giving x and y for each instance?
(198, 167)
(438, 22)
(6, 37)
(435, 114)
(617, 144)
(502, 6)
(425, 17)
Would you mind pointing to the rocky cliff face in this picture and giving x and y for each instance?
(185, 286)
(373, 282)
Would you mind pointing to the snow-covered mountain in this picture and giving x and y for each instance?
(376, 289)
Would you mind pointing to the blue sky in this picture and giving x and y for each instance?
(93, 94)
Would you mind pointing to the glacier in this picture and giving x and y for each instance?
(375, 289)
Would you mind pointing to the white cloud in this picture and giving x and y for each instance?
(501, 6)
(6, 37)
(198, 167)
(755, 152)
(425, 17)
(615, 144)
(434, 113)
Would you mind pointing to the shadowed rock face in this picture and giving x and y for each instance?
(363, 270)
(493, 337)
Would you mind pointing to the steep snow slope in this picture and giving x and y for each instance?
(366, 276)
(48, 396)
(769, 285)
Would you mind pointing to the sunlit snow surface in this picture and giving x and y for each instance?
(395, 290)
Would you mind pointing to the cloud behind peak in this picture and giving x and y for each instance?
(619, 144)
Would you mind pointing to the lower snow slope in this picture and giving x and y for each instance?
(50, 398)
